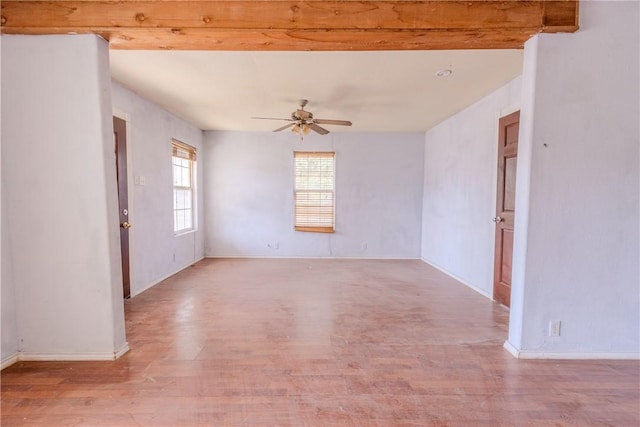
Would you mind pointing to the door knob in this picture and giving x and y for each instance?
(496, 219)
(125, 225)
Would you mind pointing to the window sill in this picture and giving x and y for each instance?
(183, 232)
(316, 229)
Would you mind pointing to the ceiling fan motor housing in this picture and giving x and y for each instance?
(302, 115)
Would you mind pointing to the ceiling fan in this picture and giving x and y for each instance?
(302, 122)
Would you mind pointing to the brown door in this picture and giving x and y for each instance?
(507, 155)
(120, 139)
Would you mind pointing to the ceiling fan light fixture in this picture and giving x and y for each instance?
(302, 122)
(301, 129)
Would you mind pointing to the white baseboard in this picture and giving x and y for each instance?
(119, 353)
(511, 349)
(518, 354)
(310, 257)
(459, 279)
(64, 357)
(9, 361)
(152, 284)
(72, 357)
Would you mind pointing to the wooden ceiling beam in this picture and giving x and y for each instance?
(317, 40)
(295, 25)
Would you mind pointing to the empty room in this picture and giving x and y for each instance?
(320, 213)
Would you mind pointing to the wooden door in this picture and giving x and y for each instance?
(120, 140)
(507, 155)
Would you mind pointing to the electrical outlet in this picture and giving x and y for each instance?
(554, 328)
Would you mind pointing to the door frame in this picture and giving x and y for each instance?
(116, 112)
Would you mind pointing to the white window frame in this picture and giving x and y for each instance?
(314, 205)
(183, 156)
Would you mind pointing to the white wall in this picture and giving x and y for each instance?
(60, 223)
(576, 249)
(249, 195)
(459, 201)
(9, 344)
(156, 252)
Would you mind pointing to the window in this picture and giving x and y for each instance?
(314, 191)
(184, 161)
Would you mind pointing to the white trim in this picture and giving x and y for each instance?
(511, 349)
(124, 349)
(508, 110)
(9, 361)
(149, 286)
(64, 357)
(518, 354)
(158, 281)
(578, 356)
(184, 232)
(459, 279)
(309, 257)
(192, 188)
(115, 111)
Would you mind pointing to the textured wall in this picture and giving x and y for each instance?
(249, 195)
(460, 176)
(155, 251)
(577, 233)
(60, 196)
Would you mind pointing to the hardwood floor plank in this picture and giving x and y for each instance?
(318, 343)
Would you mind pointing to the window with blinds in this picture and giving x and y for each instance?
(183, 159)
(314, 199)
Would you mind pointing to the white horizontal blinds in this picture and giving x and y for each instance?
(183, 158)
(314, 191)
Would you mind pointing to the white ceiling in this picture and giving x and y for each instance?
(393, 91)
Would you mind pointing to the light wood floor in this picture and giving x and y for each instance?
(318, 343)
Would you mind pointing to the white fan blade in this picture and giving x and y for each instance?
(271, 118)
(284, 127)
(320, 130)
(332, 122)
